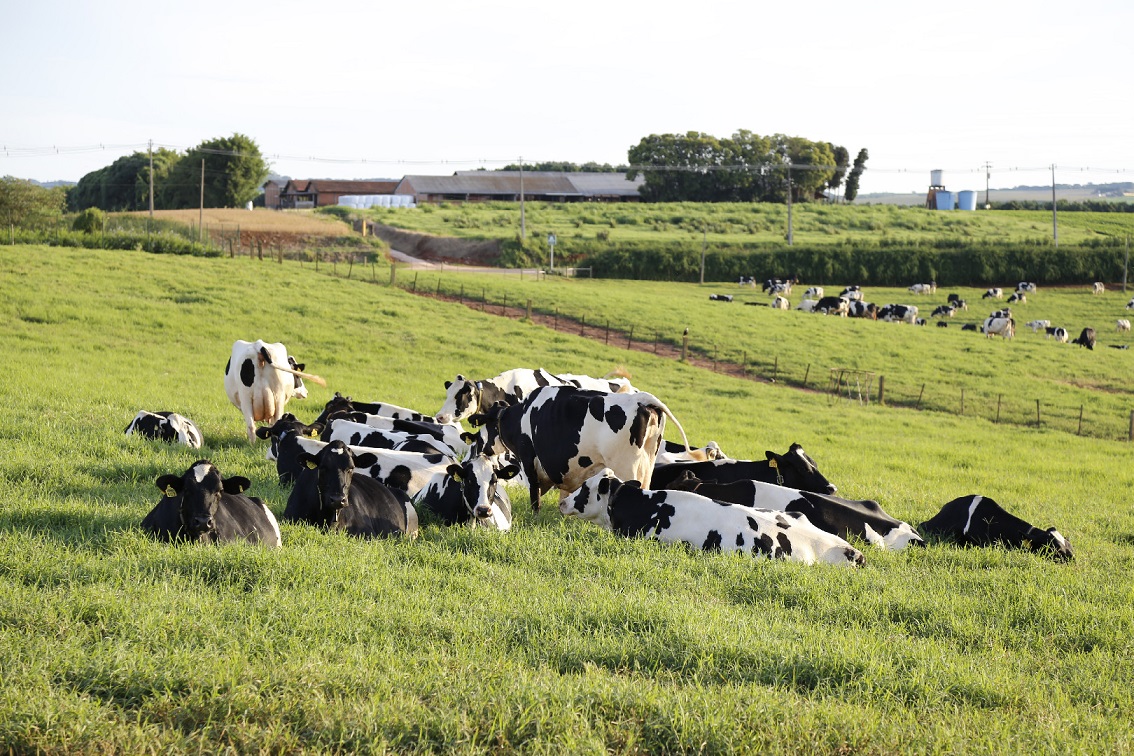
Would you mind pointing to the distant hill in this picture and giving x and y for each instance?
(1117, 192)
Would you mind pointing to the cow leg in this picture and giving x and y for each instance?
(249, 422)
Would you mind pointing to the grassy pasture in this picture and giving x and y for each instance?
(553, 638)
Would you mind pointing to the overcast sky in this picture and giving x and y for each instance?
(383, 89)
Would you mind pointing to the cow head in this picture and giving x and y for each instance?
(591, 501)
(486, 501)
(287, 425)
(299, 390)
(334, 467)
(1052, 543)
(337, 403)
(462, 398)
(797, 470)
(200, 489)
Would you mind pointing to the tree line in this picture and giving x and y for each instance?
(746, 167)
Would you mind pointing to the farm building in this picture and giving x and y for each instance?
(306, 193)
(485, 186)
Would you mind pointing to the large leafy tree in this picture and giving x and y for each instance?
(234, 171)
(124, 184)
(856, 174)
(842, 160)
(677, 167)
(24, 204)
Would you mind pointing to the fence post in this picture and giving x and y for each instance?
(962, 402)
(529, 309)
(607, 341)
(684, 344)
(504, 305)
(919, 396)
(555, 320)
(630, 338)
(462, 300)
(882, 391)
(350, 268)
(714, 358)
(483, 298)
(1080, 432)
(1037, 413)
(806, 373)
(1131, 436)
(414, 288)
(998, 398)
(744, 362)
(656, 351)
(776, 369)
(583, 325)
(436, 293)
(393, 274)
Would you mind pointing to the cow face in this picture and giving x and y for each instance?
(200, 488)
(462, 398)
(592, 501)
(334, 467)
(797, 470)
(289, 424)
(299, 390)
(1052, 542)
(485, 499)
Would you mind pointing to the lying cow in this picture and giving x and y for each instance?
(201, 505)
(813, 292)
(449, 434)
(469, 493)
(794, 469)
(842, 517)
(860, 309)
(780, 303)
(625, 508)
(976, 520)
(720, 297)
(562, 435)
(329, 494)
(674, 452)
(165, 426)
(260, 378)
(360, 434)
(339, 403)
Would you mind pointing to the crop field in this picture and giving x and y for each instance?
(555, 637)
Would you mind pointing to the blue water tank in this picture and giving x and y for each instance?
(966, 200)
(944, 200)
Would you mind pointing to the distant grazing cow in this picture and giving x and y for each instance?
(842, 517)
(897, 313)
(815, 292)
(976, 520)
(942, 324)
(1025, 287)
(260, 378)
(1037, 325)
(807, 305)
(684, 517)
(1004, 312)
(1130, 305)
(329, 494)
(1018, 297)
(794, 469)
(1086, 338)
(832, 306)
(720, 297)
(1002, 327)
(993, 294)
(1098, 287)
(970, 327)
(924, 288)
(469, 493)
(851, 293)
(944, 310)
(747, 281)
(166, 426)
(780, 303)
(1122, 324)
(562, 435)
(861, 309)
(1057, 333)
(201, 505)
(957, 302)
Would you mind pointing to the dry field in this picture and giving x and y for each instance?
(257, 220)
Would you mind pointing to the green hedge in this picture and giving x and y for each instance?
(158, 243)
(949, 262)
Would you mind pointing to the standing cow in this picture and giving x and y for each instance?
(1086, 338)
(260, 378)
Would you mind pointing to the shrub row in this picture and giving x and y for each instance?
(159, 243)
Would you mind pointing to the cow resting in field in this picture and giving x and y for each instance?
(260, 378)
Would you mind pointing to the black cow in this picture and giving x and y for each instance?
(832, 306)
(329, 494)
(976, 520)
(1086, 338)
(843, 517)
(970, 327)
(165, 426)
(200, 505)
(793, 469)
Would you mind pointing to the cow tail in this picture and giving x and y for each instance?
(652, 401)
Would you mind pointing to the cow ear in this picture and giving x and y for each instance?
(236, 485)
(454, 471)
(507, 472)
(357, 417)
(773, 459)
(476, 420)
(263, 432)
(299, 365)
(519, 392)
(305, 458)
(468, 438)
(314, 430)
(633, 483)
(169, 484)
(366, 459)
(448, 384)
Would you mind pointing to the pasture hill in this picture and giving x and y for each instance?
(556, 636)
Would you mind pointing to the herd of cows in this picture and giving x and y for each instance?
(369, 469)
(850, 303)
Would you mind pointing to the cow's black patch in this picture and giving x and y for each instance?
(712, 541)
(740, 540)
(616, 418)
(355, 438)
(227, 365)
(585, 462)
(540, 379)
(583, 496)
(641, 425)
(785, 544)
(597, 407)
(399, 477)
(247, 373)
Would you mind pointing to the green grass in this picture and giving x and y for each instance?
(553, 638)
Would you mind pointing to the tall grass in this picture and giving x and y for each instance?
(555, 637)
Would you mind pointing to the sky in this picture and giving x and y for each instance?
(383, 89)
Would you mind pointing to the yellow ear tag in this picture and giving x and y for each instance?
(772, 463)
(312, 433)
(170, 492)
(311, 464)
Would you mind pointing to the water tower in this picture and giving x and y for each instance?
(937, 198)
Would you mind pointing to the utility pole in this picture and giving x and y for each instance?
(201, 214)
(523, 228)
(704, 243)
(151, 220)
(987, 176)
(789, 228)
(1126, 264)
(1054, 217)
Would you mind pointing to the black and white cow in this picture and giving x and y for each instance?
(864, 519)
(469, 493)
(1130, 305)
(957, 302)
(1026, 287)
(832, 306)
(1018, 297)
(1098, 287)
(202, 505)
(165, 426)
(747, 281)
(970, 327)
(780, 303)
(720, 297)
(464, 397)
(976, 520)
(1038, 325)
(561, 435)
(995, 293)
(627, 509)
(1086, 338)
(945, 310)
(794, 469)
(339, 403)
(259, 379)
(813, 292)
(329, 494)
(860, 309)
(1003, 327)
(361, 434)
(285, 438)
(898, 313)
(852, 293)
(1057, 333)
(924, 288)
(449, 434)
(612, 384)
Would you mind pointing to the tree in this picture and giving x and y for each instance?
(124, 184)
(26, 205)
(842, 158)
(855, 174)
(684, 163)
(234, 172)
